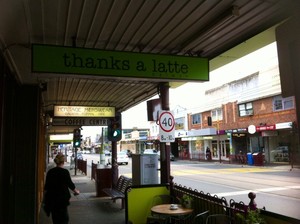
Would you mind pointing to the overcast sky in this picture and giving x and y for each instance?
(186, 95)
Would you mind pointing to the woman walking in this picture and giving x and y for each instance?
(57, 194)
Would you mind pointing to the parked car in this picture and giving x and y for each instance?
(172, 157)
(107, 152)
(79, 156)
(150, 151)
(86, 151)
(122, 158)
(127, 151)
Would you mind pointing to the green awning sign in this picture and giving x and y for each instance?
(70, 60)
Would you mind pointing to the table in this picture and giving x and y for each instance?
(164, 209)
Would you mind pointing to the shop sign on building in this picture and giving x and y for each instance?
(202, 132)
(181, 133)
(79, 121)
(83, 61)
(265, 128)
(285, 125)
(78, 111)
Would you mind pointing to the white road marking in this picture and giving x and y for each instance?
(271, 189)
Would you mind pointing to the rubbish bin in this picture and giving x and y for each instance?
(250, 158)
(258, 159)
(103, 179)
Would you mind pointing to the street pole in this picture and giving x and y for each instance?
(102, 155)
(164, 149)
(75, 160)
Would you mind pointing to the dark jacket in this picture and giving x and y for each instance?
(58, 183)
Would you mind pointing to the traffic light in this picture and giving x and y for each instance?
(114, 131)
(77, 138)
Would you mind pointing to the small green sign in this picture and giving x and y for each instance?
(70, 60)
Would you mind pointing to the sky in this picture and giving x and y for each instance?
(185, 95)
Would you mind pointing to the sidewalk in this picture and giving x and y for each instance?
(87, 208)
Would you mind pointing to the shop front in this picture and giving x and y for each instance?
(278, 142)
(198, 141)
(181, 150)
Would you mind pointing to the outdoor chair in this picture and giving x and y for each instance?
(201, 217)
(219, 219)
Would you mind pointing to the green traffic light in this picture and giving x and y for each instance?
(116, 133)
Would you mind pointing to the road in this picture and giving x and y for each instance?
(277, 188)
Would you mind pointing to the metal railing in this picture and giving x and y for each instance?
(237, 211)
(93, 170)
(201, 202)
(81, 165)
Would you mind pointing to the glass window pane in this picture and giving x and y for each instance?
(288, 103)
(196, 118)
(278, 105)
(249, 105)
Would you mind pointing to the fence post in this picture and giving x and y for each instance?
(252, 203)
(171, 185)
(84, 165)
(92, 170)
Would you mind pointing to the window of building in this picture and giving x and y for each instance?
(179, 123)
(196, 119)
(217, 115)
(143, 133)
(280, 103)
(245, 109)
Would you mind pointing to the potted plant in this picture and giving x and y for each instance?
(252, 217)
(186, 201)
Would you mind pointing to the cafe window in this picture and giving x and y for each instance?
(217, 115)
(245, 109)
(280, 103)
(196, 119)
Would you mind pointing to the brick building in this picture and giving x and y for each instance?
(242, 116)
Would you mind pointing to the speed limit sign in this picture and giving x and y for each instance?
(166, 126)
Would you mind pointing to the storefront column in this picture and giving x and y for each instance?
(288, 46)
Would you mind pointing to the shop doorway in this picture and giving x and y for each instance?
(220, 149)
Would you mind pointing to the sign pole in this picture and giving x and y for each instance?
(75, 160)
(164, 148)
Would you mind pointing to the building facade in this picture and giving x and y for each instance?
(246, 115)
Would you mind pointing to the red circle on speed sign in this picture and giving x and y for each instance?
(166, 121)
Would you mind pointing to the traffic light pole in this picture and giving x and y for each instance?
(76, 143)
(75, 161)
(114, 165)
